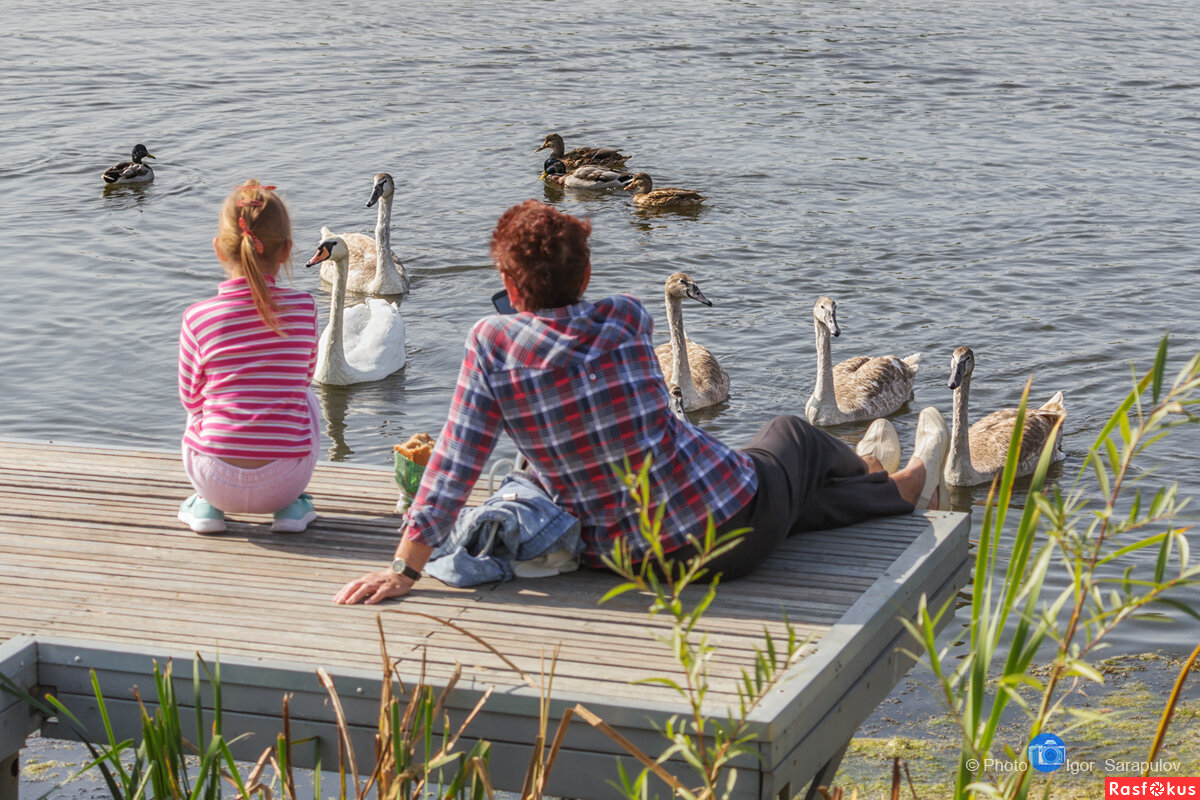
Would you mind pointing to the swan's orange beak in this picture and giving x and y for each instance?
(322, 254)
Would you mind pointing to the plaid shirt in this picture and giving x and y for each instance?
(579, 390)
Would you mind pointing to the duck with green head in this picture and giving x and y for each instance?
(131, 171)
(589, 177)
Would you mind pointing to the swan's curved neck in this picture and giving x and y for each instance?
(383, 231)
(960, 448)
(335, 354)
(384, 266)
(681, 367)
(823, 392)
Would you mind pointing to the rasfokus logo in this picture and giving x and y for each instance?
(1151, 787)
(1047, 752)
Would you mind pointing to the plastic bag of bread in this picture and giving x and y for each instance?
(411, 459)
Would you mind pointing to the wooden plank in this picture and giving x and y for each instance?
(301, 583)
(309, 702)
(211, 561)
(577, 667)
(65, 664)
(18, 662)
(576, 773)
(170, 620)
(590, 659)
(835, 729)
(852, 644)
(89, 547)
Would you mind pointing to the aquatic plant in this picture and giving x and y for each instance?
(1169, 709)
(708, 745)
(1091, 539)
(416, 751)
(163, 764)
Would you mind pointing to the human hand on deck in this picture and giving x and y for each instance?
(373, 588)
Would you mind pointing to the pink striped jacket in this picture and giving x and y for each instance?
(244, 385)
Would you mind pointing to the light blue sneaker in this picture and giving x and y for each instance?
(296, 516)
(201, 516)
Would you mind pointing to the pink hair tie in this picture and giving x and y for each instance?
(258, 245)
(253, 203)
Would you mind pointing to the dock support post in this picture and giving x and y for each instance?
(825, 774)
(10, 776)
(18, 663)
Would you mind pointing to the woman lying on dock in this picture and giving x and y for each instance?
(578, 388)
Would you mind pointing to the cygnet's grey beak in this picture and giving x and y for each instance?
(376, 193)
(956, 371)
(676, 401)
(693, 291)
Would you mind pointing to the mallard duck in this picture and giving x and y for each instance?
(360, 344)
(374, 267)
(978, 454)
(600, 156)
(131, 171)
(589, 176)
(689, 366)
(858, 388)
(646, 196)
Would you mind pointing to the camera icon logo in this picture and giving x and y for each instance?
(1047, 752)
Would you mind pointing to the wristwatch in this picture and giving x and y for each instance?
(401, 567)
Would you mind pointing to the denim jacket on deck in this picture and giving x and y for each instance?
(520, 522)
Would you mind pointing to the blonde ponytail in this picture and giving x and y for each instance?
(254, 232)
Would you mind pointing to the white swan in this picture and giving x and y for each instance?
(690, 366)
(858, 388)
(977, 455)
(374, 268)
(360, 344)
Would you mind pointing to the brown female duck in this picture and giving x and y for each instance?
(647, 196)
(576, 157)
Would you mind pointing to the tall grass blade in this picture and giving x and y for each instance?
(1169, 709)
(343, 728)
(631, 748)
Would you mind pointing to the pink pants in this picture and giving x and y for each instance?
(262, 490)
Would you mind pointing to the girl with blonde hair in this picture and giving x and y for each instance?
(246, 359)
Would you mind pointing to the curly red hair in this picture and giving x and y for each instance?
(544, 252)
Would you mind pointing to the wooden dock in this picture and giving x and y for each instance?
(96, 573)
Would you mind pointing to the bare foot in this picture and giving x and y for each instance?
(911, 480)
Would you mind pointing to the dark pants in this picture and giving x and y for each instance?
(808, 480)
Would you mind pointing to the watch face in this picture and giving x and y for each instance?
(401, 567)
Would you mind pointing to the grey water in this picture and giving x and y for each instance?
(1019, 177)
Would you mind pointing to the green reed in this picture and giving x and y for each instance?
(164, 764)
(706, 744)
(1091, 540)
